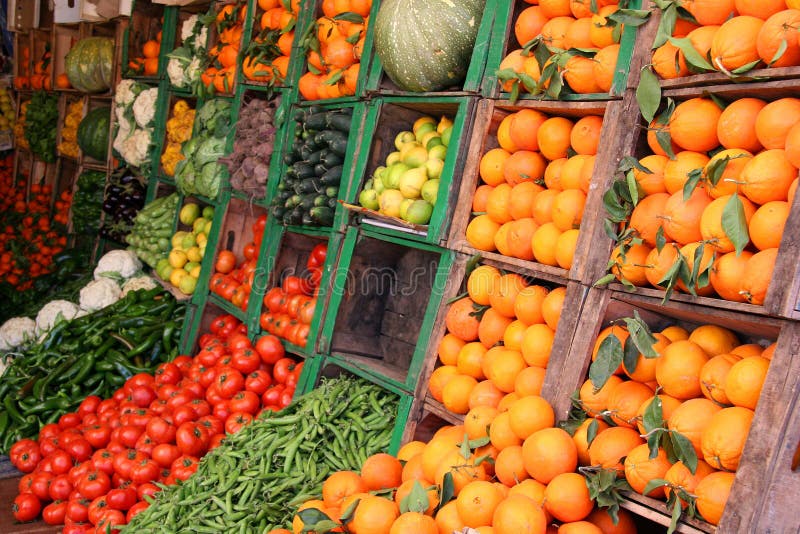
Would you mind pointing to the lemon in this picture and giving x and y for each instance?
(177, 238)
(177, 258)
(419, 212)
(434, 168)
(189, 212)
(402, 138)
(416, 156)
(193, 254)
(444, 124)
(422, 121)
(199, 224)
(195, 272)
(411, 182)
(176, 276)
(187, 284)
(390, 201)
(393, 158)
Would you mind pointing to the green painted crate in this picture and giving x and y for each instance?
(386, 118)
(146, 21)
(384, 297)
(379, 83)
(292, 130)
(504, 42)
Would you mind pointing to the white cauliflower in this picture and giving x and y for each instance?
(99, 293)
(138, 282)
(123, 132)
(175, 72)
(144, 108)
(135, 148)
(194, 70)
(54, 312)
(126, 92)
(201, 39)
(17, 331)
(187, 29)
(123, 263)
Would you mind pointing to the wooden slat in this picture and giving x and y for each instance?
(657, 512)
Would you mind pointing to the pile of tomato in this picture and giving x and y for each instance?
(234, 282)
(30, 232)
(289, 308)
(95, 468)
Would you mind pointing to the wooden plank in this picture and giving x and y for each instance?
(8, 525)
(656, 512)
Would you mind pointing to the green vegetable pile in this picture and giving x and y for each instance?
(152, 229)
(201, 173)
(307, 193)
(90, 355)
(40, 120)
(254, 481)
(87, 203)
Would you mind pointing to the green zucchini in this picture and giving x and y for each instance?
(332, 191)
(320, 200)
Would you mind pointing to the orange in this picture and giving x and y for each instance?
(476, 503)
(652, 139)
(567, 497)
(768, 176)
(543, 206)
(532, 489)
(762, 9)
(708, 12)
(529, 24)
(577, 35)
(522, 197)
(659, 264)
(150, 49)
(682, 218)
(668, 405)
(537, 344)
(758, 275)
(497, 204)
(485, 394)
(491, 166)
(691, 419)
(678, 369)
(585, 134)
(518, 513)
(767, 224)
(625, 400)
(491, 328)
(619, 332)
(567, 210)
(714, 339)
(525, 125)
(748, 349)
(506, 289)
(581, 438)
(640, 469)
(529, 381)
(447, 519)
(775, 120)
(514, 334)
(530, 414)
(481, 231)
(727, 184)
(702, 38)
(571, 172)
(552, 305)
(605, 67)
(507, 400)
(631, 266)
(509, 467)
(502, 367)
(713, 377)
(693, 124)
(548, 453)
(374, 515)
(448, 349)
(595, 402)
(409, 450)
(734, 44)
(502, 239)
(579, 71)
(455, 394)
(737, 124)
(601, 35)
(675, 333)
(724, 437)
(554, 31)
(340, 485)
(554, 137)
(478, 419)
(460, 321)
(544, 243)
(414, 523)
(463, 470)
(612, 445)
(711, 222)
(528, 304)
(645, 369)
(297, 523)
(381, 471)
(524, 165)
(520, 238)
(652, 182)
(792, 148)
(481, 283)
(727, 275)
(712, 495)
(602, 519)
(676, 171)
(688, 252)
(468, 361)
(776, 30)
(504, 129)
(555, 8)
(566, 245)
(745, 380)
(439, 378)
(679, 476)
(552, 174)
(769, 351)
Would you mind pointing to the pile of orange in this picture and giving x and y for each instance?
(761, 143)
(334, 50)
(147, 63)
(42, 75)
(709, 384)
(529, 488)
(229, 25)
(261, 62)
(564, 25)
(534, 186)
(733, 34)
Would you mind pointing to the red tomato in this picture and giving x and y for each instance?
(145, 471)
(222, 409)
(145, 444)
(273, 395)
(80, 449)
(286, 397)
(121, 498)
(124, 462)
(148, 489)
(108, 519)
(79, 470)
(317, 256)
(258, 382)
(272, 299)
(55, 512)
(143, 396)
(137, 508)
(60, 488)
(182, 414)
(306, 313)
(161, 430)
(159, 407)
(295, 285)
(25, 455)
(128, 435)
(69, 420)
(48, 431)
(238, 340)
(47, 446)
(213, 424)
(78, 510)
(270, 349)
(94, 484)
(283, 367)
(209, 354)
(103, 460)
(60, 461)
(223, 323)
(193, 387)
(246, 402)
(180, 398)
(26, 507)
(236, 421)
(315, 277)
(245, 360)
(168, 373)
(216, 441)
(105, 406)
(250, 251)
(201, 407)
(191, 439)
(184, 467)
(96, 508)
(24, 484)
(165, 453)
(228, 382)
(97, 435)
(140, 379)
(183, 362)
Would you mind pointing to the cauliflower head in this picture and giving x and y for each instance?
(144, 108)
(123, 132)
(187, 29)
(54, 312)
(135, 148)
(99, 293)
(126, 92)
(138, 282)
(17, 331)
(194, 70)
(124, 263)
(175, 72)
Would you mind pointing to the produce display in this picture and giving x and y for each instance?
(42, 67)
(220, 71)
(733, 39)
(179, 130)
(408, 186)
(69, 131)
(89, 64)
(87, 202)
(41, 115)
(426, 46)
(565, 45)
(266, 59)
(248, 164)
(92, 134)
(19, 127)
(290, 307)
(712, 203)
(182, 266)
(135, 109)
(290, 454)
(201, 172)
(23, 64)
(235, 282)
(123, 198)
(534, 187)
(333, 50)
(309, 188)
(87, 356)
(152, 228)
(146, 63)
(186, 62)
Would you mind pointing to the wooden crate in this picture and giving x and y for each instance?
(41, 51)
(171, 100)
(146, 22)
(64, 103)
(384, 296)
(215, 45)
(773, 413)
(23, 56)
(783, 297)
(503, 42)
(386, 118)
(616, 138)
(64, 38)
(494, 13)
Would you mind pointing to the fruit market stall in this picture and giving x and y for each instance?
(402, 267)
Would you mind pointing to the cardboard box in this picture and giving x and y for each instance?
(23, 14)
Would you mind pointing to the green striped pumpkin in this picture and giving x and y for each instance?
(89, 64)
(426, 45)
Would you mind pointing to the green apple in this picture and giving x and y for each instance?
(390, 201)
(430, 191)
(208, 212)
(402, 138)
(434, 168)
(369, 199)
(411, 182)
(189, 212)
(419, 212)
